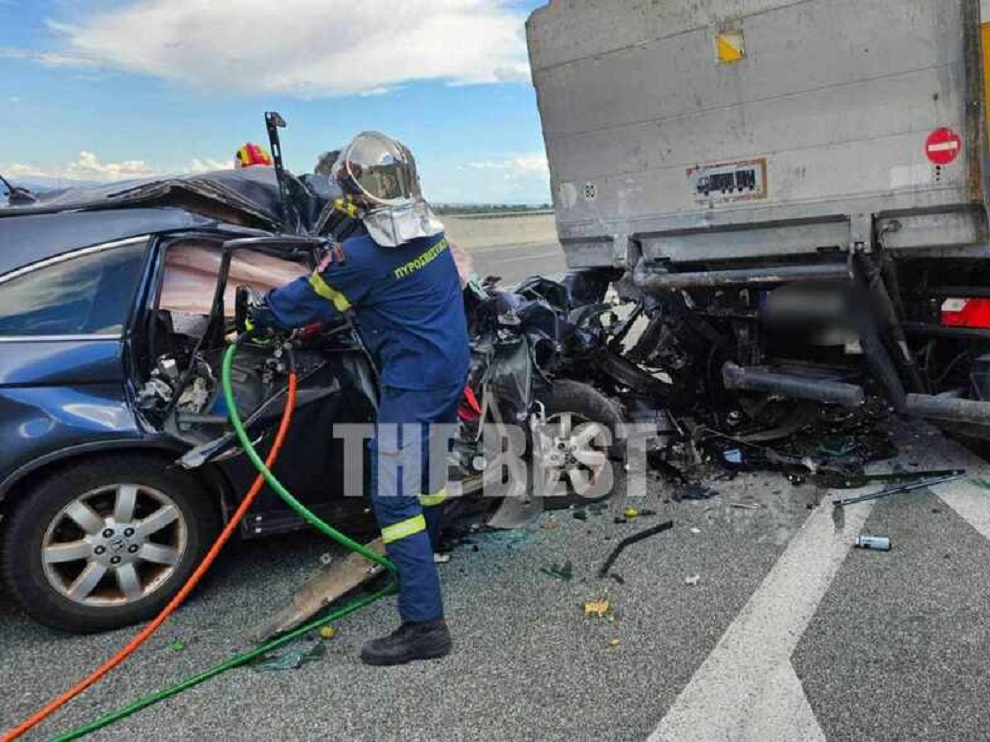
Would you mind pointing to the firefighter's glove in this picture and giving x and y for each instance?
(254, 317)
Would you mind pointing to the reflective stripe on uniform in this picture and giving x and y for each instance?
(428, 501)
(328, 292)
(347, 207)
(403, 528)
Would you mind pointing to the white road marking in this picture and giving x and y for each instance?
(783, 711)
(747, 689)
(970, 501)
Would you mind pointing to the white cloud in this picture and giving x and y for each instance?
(197, 165)
(531, 164)
(305, 48)
(89, 167)
(50, 59)
(521, 178)
(15, 99)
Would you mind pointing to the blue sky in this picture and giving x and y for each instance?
(106, 89)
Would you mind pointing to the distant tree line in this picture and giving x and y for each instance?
(488, 208)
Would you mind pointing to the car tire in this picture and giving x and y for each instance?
(585, 405)
(74, 565)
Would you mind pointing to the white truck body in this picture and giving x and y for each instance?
(715, 132)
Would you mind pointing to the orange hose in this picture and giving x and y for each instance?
(180, 597)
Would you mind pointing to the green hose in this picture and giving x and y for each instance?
(246, 657)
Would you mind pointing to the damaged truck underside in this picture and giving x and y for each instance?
(792, 228)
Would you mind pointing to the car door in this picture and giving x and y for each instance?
(63, 328)
(335, 380)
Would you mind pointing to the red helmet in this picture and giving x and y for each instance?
(252, 154)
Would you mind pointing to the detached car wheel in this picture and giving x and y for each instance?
(579, 443)
(106, 543)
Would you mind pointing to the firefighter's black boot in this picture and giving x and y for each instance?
(425, 640)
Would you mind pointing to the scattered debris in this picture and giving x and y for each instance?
(326, 558)
(580, 515)
(692, 580)
(744, 505)
(839, 443)
(693, 491)
(875, 543)
(618, 578)
(548, 525)
(655, 460)
(619, 521)
(838, 447)
(439, 558)
(632, 540)
(796, 479)
(325, 586)
(907, 487)
(733, 457)
(309, 650)
(563, 572)
(177, 646)
(328, 632)
(596, 607)
(632, 513)
(613, 643)
(695, 530)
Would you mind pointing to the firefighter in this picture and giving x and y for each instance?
(252, 155)
(396, 277)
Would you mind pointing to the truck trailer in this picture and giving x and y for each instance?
(794, 192)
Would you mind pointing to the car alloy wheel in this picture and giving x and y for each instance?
(572, 448)
(114, 545)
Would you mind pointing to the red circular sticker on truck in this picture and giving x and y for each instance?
(943, 146)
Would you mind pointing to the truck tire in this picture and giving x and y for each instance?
(106, 542)
(575, 410)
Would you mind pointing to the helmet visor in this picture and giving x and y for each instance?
(379, 168)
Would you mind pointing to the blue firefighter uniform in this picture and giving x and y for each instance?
(409, 309)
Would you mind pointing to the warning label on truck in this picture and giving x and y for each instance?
(745, 180)
(730, 46)
(943, 146)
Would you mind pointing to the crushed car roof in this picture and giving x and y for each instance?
(249, 197)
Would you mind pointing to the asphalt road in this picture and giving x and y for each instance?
(516, 262)
(790, 633)
(528, 662)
